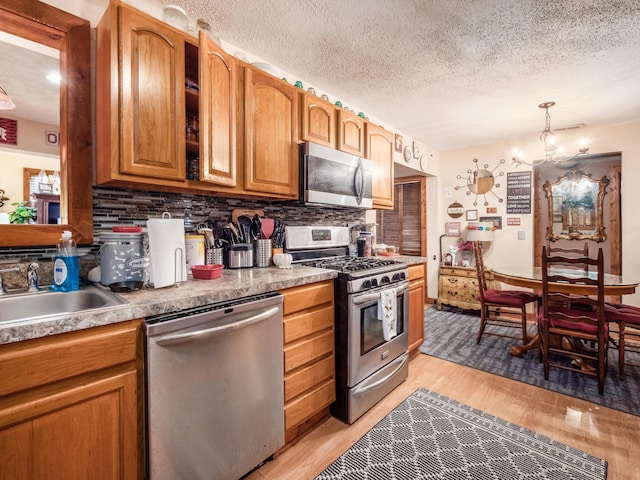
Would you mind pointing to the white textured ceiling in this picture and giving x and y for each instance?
(450, 73)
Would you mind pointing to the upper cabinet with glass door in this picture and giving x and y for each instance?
(39, 40)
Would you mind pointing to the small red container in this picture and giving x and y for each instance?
(207, 272)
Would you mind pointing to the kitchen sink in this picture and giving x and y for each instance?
(28, 306)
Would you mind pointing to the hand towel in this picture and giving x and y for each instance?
(387, 313)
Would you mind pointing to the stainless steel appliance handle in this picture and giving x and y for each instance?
(358, 182)
(172, 339)
(375, 296)
(364, 389)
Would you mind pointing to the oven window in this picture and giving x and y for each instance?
(371, 328)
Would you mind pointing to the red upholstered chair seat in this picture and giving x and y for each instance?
(587, 327)
(625, 316)
(618, 312)
(513, 298)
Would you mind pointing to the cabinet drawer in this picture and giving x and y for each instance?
(306, 323)
(308, 350)
(302, 380)
(37, 362)
(308, 404)
(458, 271)
(416, 272)
(307, 296)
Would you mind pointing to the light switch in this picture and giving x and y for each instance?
(520, 234)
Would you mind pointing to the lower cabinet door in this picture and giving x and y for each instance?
(87, 431)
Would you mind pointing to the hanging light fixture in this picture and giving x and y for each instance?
(5, 100)
(553, 153)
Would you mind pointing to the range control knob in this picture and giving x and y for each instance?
(374, 282)
(366, 284)
(396, 277)
(384, 280)
(403, 275)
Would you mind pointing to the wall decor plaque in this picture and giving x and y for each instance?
(455, 210)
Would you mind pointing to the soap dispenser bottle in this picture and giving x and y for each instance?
(66, 268)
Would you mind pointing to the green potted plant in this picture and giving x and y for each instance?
(23, 213)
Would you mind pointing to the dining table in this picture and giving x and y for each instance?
(525, 276)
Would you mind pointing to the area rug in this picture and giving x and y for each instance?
(430, 436)
(450, 334)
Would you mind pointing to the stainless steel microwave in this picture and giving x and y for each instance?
(334, 178)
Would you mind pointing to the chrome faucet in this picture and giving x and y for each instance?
(14, 269)
(32, 277)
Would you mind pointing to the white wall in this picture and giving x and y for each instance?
(506, 248)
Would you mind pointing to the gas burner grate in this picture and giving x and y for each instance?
(350, 264)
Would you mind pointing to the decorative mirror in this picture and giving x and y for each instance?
(576, 203)
(71, 36)
(480, 182)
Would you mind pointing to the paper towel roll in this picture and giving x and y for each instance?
(166, 251)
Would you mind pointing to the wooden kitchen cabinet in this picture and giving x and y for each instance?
(143, 104)
(68, 405)
(458, 287)
(217, 114)
(351, 133)
(140, 99)
(379, 149)
(317, 120)
(309, 363)
(270, 135)
(417, 295)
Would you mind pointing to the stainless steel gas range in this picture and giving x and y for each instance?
(368, 367)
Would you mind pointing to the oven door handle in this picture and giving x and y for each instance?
(370, 297)
(361, 390)
(175, 338)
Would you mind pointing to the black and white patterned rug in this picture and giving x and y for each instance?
(430, 436)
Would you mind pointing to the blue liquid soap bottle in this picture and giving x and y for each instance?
(66, 268)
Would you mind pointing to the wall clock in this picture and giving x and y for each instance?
(408, 154)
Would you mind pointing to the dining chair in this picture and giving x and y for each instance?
(573, 316)
(499, 299)
(627, 317)
(555, 249)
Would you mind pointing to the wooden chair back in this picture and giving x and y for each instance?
(480, 271)
(576, 252)
(573, 310)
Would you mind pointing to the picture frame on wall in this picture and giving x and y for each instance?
(452, 228)
(497, 221)
(398, 143)
(472, 215)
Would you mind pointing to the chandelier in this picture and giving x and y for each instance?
(552, 152)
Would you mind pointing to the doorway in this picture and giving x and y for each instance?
(405, 226)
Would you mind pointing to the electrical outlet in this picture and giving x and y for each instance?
(520, 234)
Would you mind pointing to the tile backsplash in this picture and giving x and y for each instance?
(116, 206)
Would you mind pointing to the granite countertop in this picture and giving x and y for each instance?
(233, 284)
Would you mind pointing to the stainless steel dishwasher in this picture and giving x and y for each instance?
(214, 398)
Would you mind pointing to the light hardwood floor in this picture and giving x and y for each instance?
(600, 431)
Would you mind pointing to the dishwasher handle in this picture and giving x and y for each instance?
(176, 338)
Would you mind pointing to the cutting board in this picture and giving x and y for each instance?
(237, 212)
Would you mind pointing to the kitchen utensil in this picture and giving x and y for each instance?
(268, 224)
(245, 223)
(256, 227)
